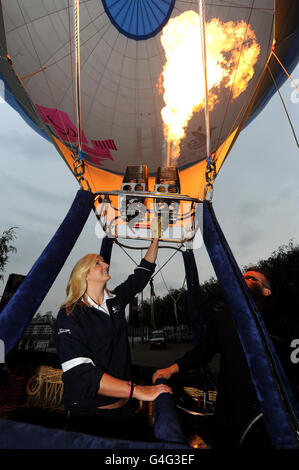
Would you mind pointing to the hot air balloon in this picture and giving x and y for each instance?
(107, 90)
(144, 101)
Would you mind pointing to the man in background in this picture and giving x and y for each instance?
(236, 402)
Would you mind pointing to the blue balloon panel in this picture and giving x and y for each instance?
(139, 19)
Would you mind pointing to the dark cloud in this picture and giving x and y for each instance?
(41, 219)
(28, 144)
(255, 199)
(34, 190)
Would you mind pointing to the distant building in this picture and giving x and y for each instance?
(13, 283)
(38, 334)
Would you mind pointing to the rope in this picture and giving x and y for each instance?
(166, 262)
(121, 246)
(201, 6)
(45, 388)
(77, 75)
(281, 98)
(287, 73)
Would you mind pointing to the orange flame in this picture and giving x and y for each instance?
(232, 52)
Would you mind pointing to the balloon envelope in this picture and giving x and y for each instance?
(122, 61)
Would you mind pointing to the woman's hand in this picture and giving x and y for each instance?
(150, 392)
(165, 373)
(156, 227)
(113, 387)
(152, 251)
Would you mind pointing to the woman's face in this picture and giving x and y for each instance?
(98, 271)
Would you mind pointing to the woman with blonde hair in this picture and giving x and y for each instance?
(77, 285)
(93, 347)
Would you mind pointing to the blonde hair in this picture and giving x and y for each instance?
(77, 285)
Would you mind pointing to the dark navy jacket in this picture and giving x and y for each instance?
(90, 342)
(236, 400)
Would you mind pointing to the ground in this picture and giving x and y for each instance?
(142, 354)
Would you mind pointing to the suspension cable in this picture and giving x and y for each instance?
(169, 292)
(76, 14)
(283, 103)
(142, 248)
(175, 300)
(146, 247)
(284, 69)
(78, 162)
(166, 262)
(72, 61)
(121, 246)
(202, 13)
(211, 166)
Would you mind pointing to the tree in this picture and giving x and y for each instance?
(6, 249)
(283, 269)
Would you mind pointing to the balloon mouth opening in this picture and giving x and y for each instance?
(167, 179)
(131, 211)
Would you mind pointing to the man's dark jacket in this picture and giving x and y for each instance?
(236, 397)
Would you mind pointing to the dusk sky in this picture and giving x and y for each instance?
(256, 198)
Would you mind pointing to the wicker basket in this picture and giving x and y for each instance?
(195, 393)
(45, 388)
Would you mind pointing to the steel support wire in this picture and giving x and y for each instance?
(284, 106)
(76, 14)
(202, 13)
(78, 163)
(211, 166)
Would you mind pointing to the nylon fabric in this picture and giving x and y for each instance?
(166, 422)
(257, 346)
(27, 436)
(23, 305)
(120, 99)
(193, 293)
